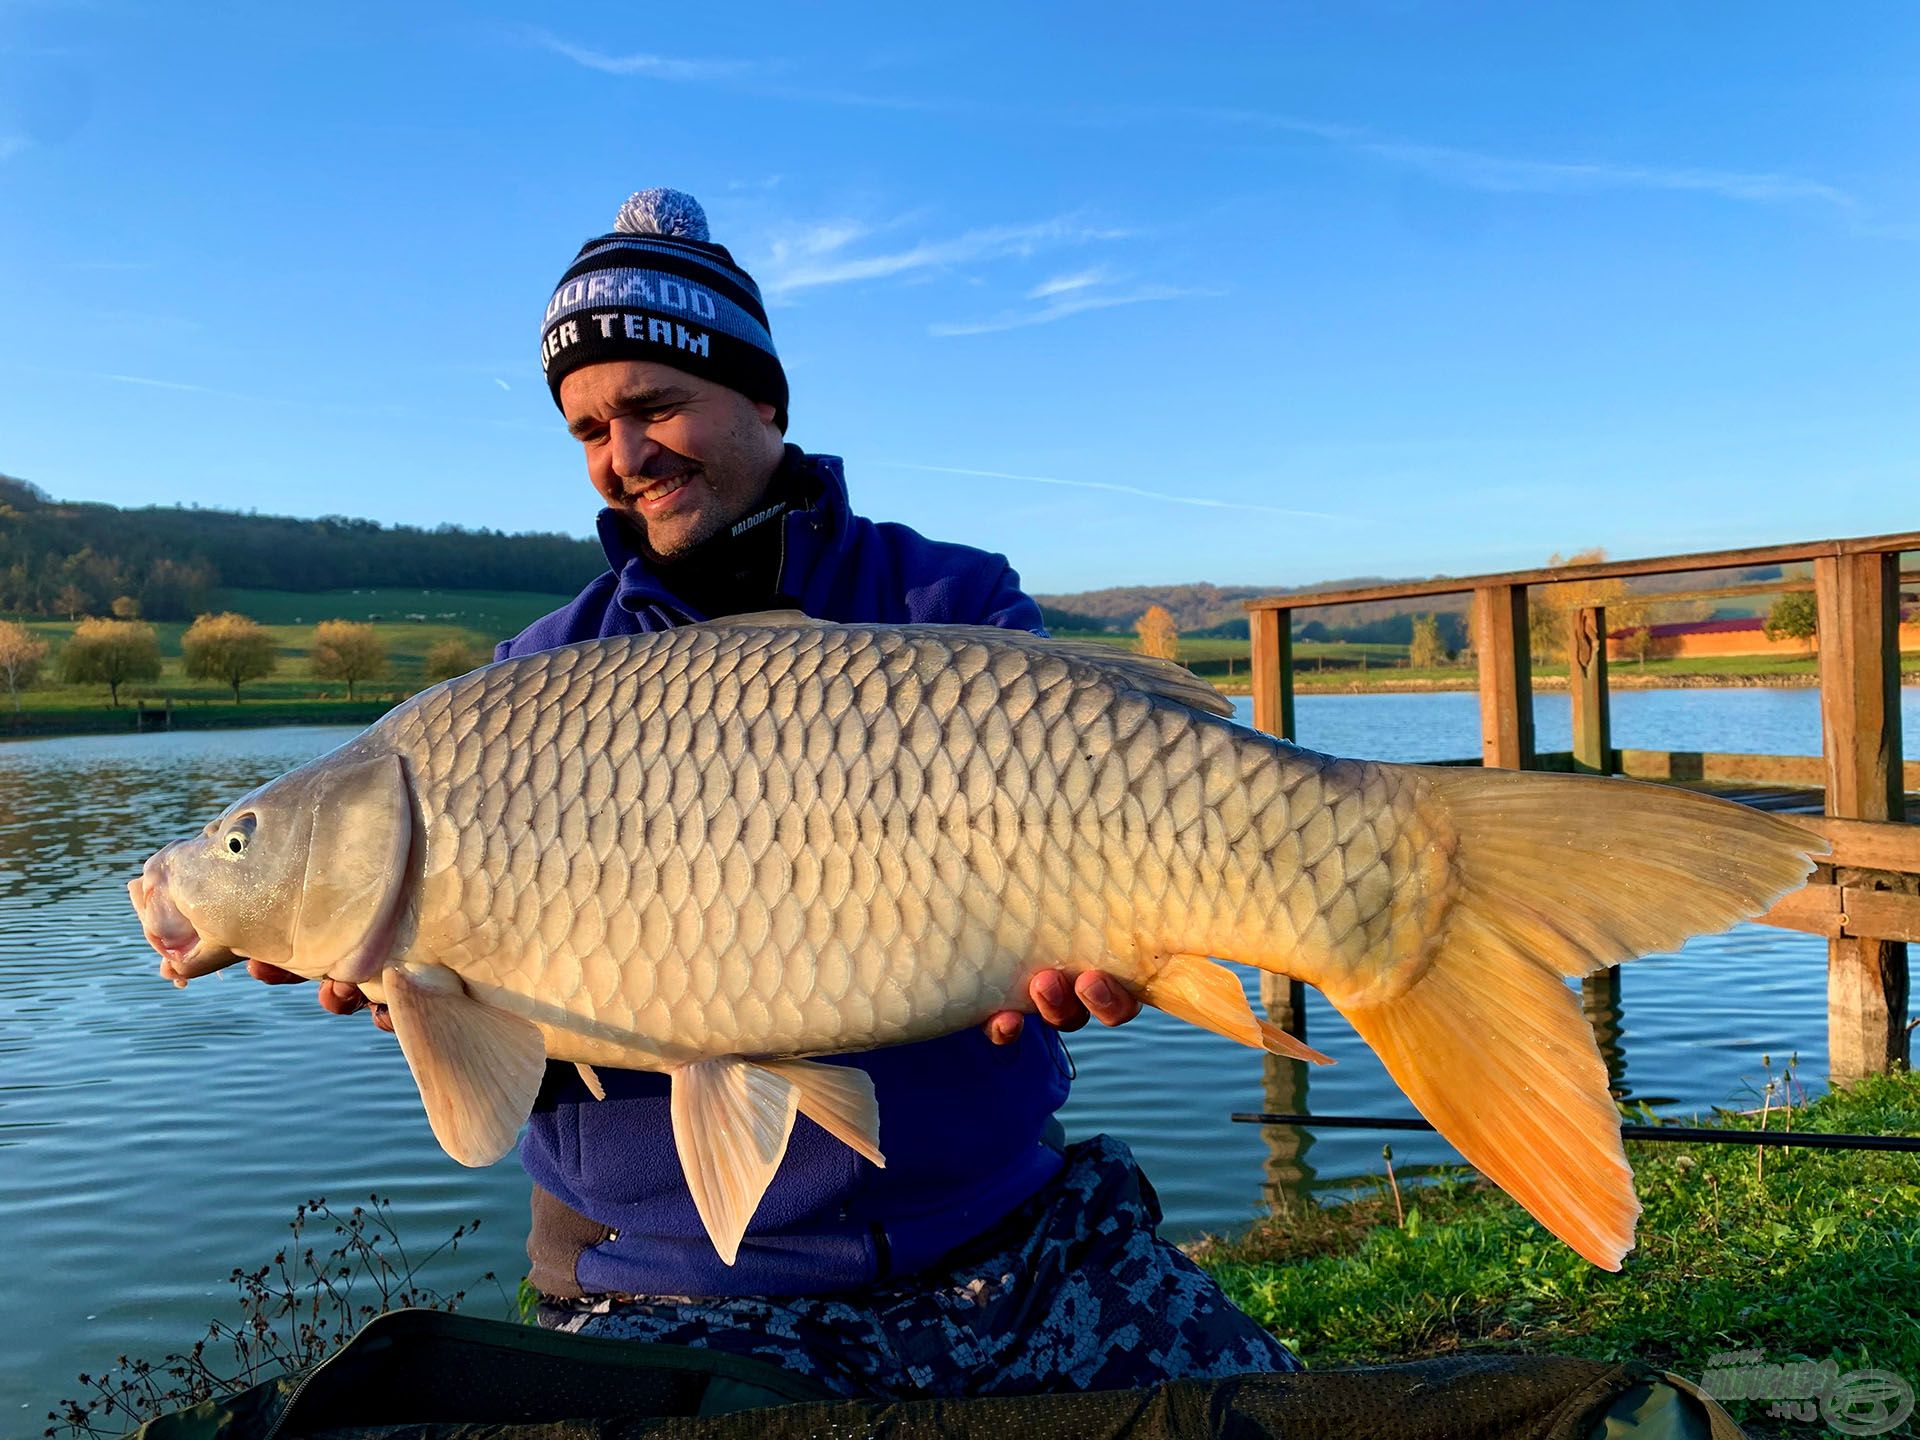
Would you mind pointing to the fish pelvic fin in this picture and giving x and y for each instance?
(732, 1119)
(1555, 876)
(479, 1069)
(840, 1100)
(1205, 993)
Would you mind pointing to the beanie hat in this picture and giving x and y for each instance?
(656, 288)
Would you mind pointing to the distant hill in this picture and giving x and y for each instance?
(1203, 609)
(62, 558)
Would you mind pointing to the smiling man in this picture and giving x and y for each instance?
(985, 1258)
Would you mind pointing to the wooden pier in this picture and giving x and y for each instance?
(1865, 899)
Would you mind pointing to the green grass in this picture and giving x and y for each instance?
(292, 695)
(1818, 1257)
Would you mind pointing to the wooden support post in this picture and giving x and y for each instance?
(1272, 633)
(1857, 597)
(1587, 686)
(1506, 676)
(1288, 1174)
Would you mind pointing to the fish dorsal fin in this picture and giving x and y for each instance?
(1144, 673)
(839, 1099)
(731, 1122)
(478, 1068)
(766, 619)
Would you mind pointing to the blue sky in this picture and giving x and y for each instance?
(1261, 294)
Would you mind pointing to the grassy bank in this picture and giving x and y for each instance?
(1809, 1254)
(1334, 667)
(408, 622)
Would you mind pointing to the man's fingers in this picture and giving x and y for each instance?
(341, 998)
(1056, 1001)
(1003, 1027)
(1110, 1002)
(273, 974)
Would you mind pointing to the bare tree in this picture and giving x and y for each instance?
(110, 653)
(1156, 634)
(21, 652)
(230, 647)
(347, 650)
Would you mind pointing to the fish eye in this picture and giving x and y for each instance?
(241, 834)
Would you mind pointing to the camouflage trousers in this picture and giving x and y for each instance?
(1074, 1291)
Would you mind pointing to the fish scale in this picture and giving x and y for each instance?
(719, 850)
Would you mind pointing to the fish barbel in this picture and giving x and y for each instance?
(720, 850)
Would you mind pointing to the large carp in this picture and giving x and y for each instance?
(717, 851)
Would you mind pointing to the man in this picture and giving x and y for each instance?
(981, 1259)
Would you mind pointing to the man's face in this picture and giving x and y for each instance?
(682, 458)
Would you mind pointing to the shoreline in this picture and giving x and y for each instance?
(1313, 684)
(267, 714)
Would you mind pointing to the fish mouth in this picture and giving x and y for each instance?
(185, 954)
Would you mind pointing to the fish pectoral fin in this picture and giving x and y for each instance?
(590, 1080)
(478, 1068)
(1205, 993)
(840, 1100)
(731, 1122)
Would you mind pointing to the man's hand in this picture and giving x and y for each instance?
(336, 996)
(1067, 1006)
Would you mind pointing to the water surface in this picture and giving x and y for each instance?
(152, 1140)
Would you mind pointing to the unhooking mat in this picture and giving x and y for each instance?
(425, 1375)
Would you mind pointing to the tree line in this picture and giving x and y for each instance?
(229, 648)
(67, 559)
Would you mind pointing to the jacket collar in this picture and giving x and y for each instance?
(817, 522)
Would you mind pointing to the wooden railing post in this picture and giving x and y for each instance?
(1857, 597)
(1587, 689)
(1506, 676)
(1272, 635)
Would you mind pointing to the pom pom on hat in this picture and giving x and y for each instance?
(662, 212)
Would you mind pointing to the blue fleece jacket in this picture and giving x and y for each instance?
(962, 1121)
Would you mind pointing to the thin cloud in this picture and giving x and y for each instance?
(1479, 171)
(795, 270)
(1061, 308)
(1062, 284)
(158, 384)
(1199, 500)
(501, 383)
(12, 145)
(653, 67)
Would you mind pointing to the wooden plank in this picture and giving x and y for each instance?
(1506, 676)
(1857, 599)
(1814, 909)
(1879, 914)
(1587, 688)
(1272, 635)
(1864, 545)
(1865, 844)
(1809, 771)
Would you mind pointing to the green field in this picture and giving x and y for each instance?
(292, 694)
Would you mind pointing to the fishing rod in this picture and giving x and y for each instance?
(1692, 1134)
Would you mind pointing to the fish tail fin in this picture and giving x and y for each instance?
(1555, 876)
(1199, 991)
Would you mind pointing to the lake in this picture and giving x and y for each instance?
(151, 1141)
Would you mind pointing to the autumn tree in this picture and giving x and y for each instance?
(125, 607)
(1156, 635)
(1794, 616)
(347, 650)
(229, 648)
(1427, 649)
(448, 658)
(21, 652)
(110, 653)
